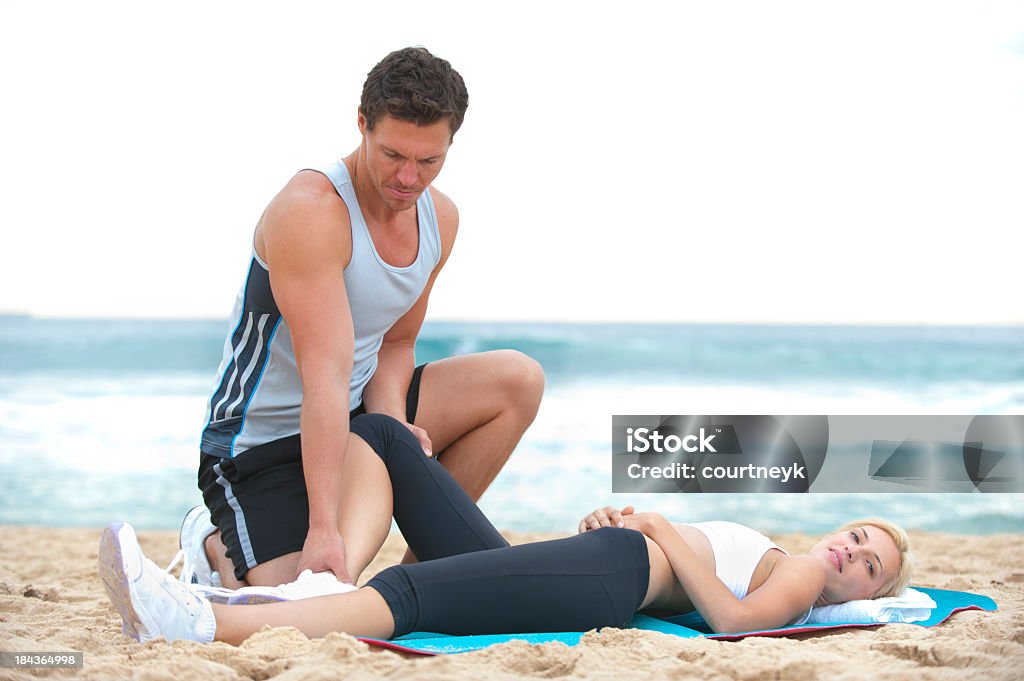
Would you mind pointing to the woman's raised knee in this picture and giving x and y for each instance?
(383, 433)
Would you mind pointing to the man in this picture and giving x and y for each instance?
(343, 263)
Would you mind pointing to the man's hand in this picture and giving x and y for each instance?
(609, 516)
(324, 551)
(422, 436)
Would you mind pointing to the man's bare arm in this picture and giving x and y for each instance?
(307, 245)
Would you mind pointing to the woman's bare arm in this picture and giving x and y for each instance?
(789, 591)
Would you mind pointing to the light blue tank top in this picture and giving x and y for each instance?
(257, 394)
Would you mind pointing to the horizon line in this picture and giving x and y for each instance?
(5, 315)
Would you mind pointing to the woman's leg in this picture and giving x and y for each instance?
(359, 613)
(364, 518)
(152, 603)
(591, 580)
(595, 579)
(436, 516)
(273, 484)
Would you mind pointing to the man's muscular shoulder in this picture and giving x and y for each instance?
(447, 218)
(307, 194)
(310, 185)
(307, 209)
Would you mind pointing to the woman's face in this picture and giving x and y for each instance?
(858, 563)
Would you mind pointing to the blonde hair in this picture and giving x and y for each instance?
(899, 537)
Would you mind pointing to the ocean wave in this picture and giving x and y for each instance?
(100, 420)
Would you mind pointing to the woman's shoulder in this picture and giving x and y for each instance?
(801, 566)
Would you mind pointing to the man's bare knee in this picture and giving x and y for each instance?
(217, 556)
(280, 570)
(522, 381)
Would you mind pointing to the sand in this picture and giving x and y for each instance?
(51, 599)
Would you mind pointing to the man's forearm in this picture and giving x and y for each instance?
(385, 393)
(324, 431)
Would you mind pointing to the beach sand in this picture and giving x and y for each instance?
(51, 599)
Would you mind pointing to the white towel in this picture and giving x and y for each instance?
(910, 606)
(308, 585)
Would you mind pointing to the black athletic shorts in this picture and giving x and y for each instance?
(258, 499)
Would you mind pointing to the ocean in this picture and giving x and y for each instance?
(100, 419)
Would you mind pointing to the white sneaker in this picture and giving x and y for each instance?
(308, 585)
(151, 602)
(195, 528)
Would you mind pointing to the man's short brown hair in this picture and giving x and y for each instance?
(413, 85)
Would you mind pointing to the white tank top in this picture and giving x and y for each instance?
(738, 549)
(257, 394)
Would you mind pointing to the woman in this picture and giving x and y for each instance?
(470, 581)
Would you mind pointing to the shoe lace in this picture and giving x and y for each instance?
(186, 568)
(215, 594)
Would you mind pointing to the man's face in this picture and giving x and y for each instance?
(404, 158)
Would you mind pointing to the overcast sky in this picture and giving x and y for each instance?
(712, 162)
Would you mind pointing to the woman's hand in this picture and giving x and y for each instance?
(647, 523)
(609, 516)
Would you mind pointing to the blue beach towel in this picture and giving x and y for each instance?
(684, 626)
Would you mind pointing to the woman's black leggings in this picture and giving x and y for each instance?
(470, 581)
